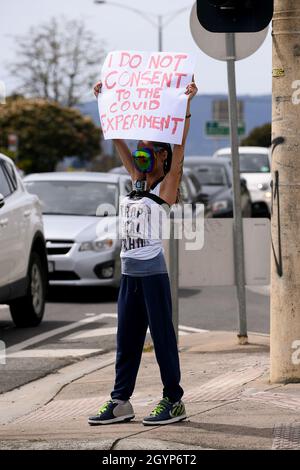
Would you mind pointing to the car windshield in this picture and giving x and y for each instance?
(74, 197)
(254, 163)
(212, 175)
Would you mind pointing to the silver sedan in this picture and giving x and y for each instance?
(80, 213)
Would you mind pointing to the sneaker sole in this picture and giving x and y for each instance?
(120, 419)
(168, 421)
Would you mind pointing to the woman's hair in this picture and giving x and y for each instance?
(168, 148)
(168, 161)
(167, 164)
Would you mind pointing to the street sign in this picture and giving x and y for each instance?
(215, 128)
(214, 44)
(232, 16)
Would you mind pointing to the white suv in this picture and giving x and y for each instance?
(255, 167)
(23, 259)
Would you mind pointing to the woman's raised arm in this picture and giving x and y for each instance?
(121, 146)
(170, 184)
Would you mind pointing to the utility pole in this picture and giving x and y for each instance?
(285, 223)
(237, 208)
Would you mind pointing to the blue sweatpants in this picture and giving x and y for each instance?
(146, 301)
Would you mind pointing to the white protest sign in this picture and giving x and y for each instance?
(143, 95)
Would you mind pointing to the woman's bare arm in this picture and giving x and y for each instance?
(121, 146)
(170, 184)
(126, 158)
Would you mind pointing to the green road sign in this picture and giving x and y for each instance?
(216, 128)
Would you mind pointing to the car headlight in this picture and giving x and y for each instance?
(263, 186)
(96, 245)
(219, 205)
(268, 194)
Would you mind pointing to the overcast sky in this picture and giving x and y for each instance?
(121, 29)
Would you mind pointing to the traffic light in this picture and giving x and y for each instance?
(234, 16)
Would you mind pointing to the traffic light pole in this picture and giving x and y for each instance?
(237, 211)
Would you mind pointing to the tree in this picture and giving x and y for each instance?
(259, 136)
(47, 132)
(58, 61)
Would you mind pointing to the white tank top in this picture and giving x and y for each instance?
(141, 227)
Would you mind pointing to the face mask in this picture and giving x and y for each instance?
(144, 160)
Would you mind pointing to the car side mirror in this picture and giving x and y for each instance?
(2, 200)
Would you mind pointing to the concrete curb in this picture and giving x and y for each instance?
(29, 397)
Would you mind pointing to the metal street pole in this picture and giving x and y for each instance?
(237, 212)
(160, 32)
(174, 272)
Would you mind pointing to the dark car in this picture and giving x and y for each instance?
(215, 178)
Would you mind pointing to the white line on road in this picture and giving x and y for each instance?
(91, 334)
(191, 329)
(97, 332)
(57, 331)
(3, 307)
(262, 290)
(52, 353)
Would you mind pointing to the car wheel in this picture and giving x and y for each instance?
(29, 310)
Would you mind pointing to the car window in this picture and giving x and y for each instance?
(254, 163)
(74, 197)
(212, 175)
(5, 188)
(11, 175)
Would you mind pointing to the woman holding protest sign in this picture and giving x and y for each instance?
(144, 297)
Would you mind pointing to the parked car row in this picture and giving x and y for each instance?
(59, 227)
(215, 179)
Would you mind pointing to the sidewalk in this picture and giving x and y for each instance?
(229, 401)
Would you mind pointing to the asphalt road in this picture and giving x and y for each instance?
(82, 322)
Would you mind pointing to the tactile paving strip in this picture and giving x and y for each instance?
(286, 436)
(223, 388)
(282, 400)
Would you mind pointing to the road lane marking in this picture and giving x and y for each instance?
(191, 329)
(98, 332)
(91, 319)
(57, 331)
(51, 353)
(90, 334)
(262, 290)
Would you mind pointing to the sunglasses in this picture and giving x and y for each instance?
(144, 159)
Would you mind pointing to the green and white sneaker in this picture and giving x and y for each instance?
(113, 411)
(166, 412)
